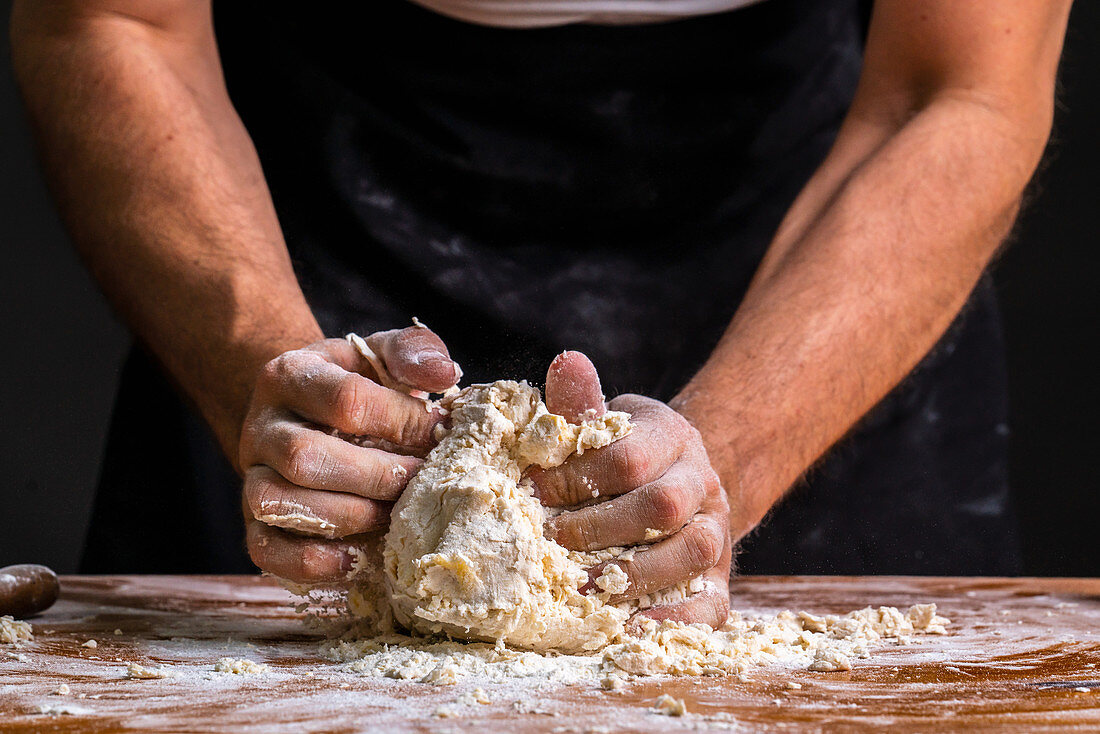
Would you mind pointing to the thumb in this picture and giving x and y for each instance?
(573, 387)
(416, 358)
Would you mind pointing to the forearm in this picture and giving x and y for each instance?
(868, 270)
(164, 197)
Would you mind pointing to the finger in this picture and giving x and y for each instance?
(313, 459)
(711, 606)
(641, 457)
(687, 554)
(298, 558)
(322, 392)
(274, 501)
(573, 388)
(652, 512)
(416, 357)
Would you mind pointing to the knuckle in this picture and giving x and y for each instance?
(384, 477)
(702, 546)
(349, 404)
(630, 463)
(573, 489)
(585, 533)
(280, 369)
(303, 460)
(411, 431)
(549, 487)
(367, 515)
(669, 508)
(270, 372)
(263, 499)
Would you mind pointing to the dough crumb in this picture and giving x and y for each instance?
(118, 632)
(613, 580)
(240, 666)
(137, 671)
(792, 686)
(476, 696)
(13, 631)
(669, 706)
(828, 659)
(446, 711)
(612, 683)
(445, 674)
(91, 644)
(61, 690)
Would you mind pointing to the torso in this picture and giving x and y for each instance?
(602, 187)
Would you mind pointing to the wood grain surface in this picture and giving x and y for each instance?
(1022, 652)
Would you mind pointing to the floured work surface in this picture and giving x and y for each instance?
(1024, 652)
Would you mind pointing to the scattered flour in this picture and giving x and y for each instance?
(13, 631)
(62, 709)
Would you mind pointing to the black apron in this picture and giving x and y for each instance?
(607, 189)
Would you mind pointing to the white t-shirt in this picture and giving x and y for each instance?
(540, 13)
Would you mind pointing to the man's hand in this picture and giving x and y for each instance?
(308, 492)
(665, 494)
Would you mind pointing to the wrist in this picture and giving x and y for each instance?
(738, 450)
(225, 406)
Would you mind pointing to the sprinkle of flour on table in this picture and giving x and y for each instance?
(14, 631)
(488, 597)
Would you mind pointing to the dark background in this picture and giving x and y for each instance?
(61, 349)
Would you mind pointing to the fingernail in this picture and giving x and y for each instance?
(431, 354)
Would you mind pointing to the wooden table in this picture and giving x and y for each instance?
(1021, 653)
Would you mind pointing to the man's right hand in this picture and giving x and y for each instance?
(308, 492)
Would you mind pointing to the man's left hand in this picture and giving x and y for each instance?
(665, 494)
